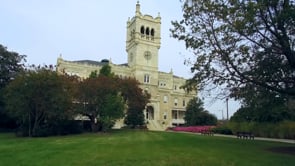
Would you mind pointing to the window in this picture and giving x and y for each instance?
(175, 102)
(152, 32)
(146, 78)
(165, 99)
(175, 87)
(165, 115)
(162, 83)
(142, 29)
(183, 102)
(175, 115)
(147, 31)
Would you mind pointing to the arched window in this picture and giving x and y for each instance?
(152, 32)
(142, 29)
(147, 31)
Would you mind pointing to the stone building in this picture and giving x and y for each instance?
(143, 41)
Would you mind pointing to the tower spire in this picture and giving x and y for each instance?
(137, 12)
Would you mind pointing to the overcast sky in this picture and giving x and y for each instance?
(90, 29)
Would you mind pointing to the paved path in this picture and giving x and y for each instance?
(290, 141)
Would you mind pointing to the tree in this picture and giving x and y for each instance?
(106, 70)
(40, 100)
(11, 63)
(112, 110)
(195, 114)
(136, 100)
(240, 42)
(102, 97)
(93, 97)
(99, 99)
(260, 105)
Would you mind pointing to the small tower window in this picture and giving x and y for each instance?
(152, 32)
(147, 31)
(142, 30)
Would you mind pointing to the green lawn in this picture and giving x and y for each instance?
(124, 147)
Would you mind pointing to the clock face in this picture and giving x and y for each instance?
(147, 55)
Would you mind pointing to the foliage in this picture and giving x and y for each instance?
(103, 97)
(260, 105)
(11, 63)
(223, 127)
(93, 74)
(134, 118)
(136, 100)
(39, 99)
(106, 70)
(195, 114)
(140, 148)
(240, 43)
(98, 98)
(284, 129)
(112, 110)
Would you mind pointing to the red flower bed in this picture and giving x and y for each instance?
(194, 129)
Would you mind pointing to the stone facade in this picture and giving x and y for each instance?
(143, 41)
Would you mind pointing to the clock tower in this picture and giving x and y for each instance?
(142, 46)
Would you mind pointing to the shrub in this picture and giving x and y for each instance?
(222, 130)
(285, 129)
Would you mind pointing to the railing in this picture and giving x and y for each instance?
(178, 121)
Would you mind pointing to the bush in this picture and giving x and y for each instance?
(222, 130)
(283, 130)
(63, 128)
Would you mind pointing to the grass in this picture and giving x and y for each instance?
(139, 148)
